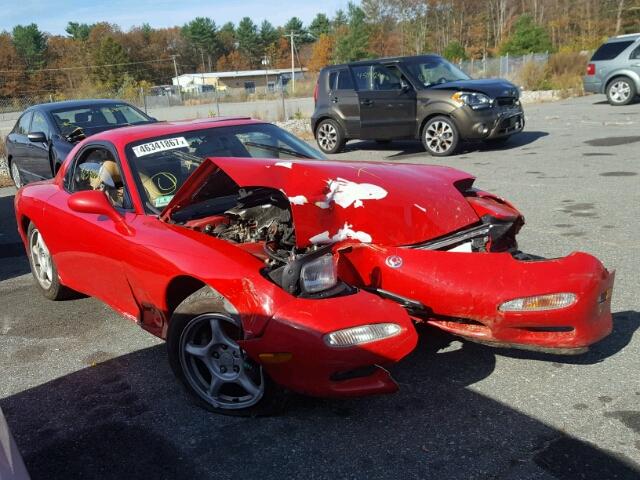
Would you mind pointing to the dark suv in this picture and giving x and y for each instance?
(423, 97)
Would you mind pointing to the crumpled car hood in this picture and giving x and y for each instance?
(381, 203)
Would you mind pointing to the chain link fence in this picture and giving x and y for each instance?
(507, 66)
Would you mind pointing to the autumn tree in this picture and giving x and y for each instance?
(111, 56)
(13, 69)
(322, 52)
(232, 62)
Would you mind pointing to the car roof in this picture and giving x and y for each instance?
(382, 60)
(125, 135)
(624, 38)
(48, 107)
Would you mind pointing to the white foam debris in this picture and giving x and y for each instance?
(297, 200)
(346, 193)
(346, 232)
(284, 164)
(420, 208)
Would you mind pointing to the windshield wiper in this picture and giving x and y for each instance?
(273, 148)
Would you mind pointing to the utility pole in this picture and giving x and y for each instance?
(265, 62)
(292, 36)
(175, 68)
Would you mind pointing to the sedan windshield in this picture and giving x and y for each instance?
(429, 71)
(90, 119)
(162, 164)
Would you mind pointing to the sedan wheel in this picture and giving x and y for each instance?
(15, 175)
(440, 137)
(216, 367)
(41, 260)
(621, 92)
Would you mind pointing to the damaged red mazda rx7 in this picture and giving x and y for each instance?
(268, 268)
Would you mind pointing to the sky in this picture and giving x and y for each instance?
(52, 16)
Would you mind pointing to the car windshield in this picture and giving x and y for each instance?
(92, 119)
(429, 71)
(161, 164)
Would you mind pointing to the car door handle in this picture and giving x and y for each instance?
(366, 102)
(334, 100)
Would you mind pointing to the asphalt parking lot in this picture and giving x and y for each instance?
(90, 395)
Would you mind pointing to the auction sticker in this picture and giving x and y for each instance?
(160, 146)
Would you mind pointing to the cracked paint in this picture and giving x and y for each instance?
(346, 193)
(297, 200)
(346, 232)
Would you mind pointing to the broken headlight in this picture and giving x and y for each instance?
(552, 301)
(319, 274)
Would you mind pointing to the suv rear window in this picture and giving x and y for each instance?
(609, 51)
(340, 80)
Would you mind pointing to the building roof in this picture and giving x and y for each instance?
(241, 73)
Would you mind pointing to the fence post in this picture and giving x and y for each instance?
(284, 111)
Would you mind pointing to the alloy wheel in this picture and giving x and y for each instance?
(327, 136)
(41, 260)
(620, 91)
(216, 366)
(15, 175)
(439, 137)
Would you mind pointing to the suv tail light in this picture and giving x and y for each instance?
(315, 94)
(591, 69)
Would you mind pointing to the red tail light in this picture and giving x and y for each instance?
(591, 69)
(315, 94)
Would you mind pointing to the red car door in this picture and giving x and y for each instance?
(89, 249)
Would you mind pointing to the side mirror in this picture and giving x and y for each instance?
(96, 202)
(37, 137)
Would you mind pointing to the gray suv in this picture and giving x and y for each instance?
(615, 69)
(422, 97)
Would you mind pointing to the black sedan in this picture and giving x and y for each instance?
(44, 134)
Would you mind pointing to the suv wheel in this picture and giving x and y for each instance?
(621, 91)
(440, 136)
(330, 136)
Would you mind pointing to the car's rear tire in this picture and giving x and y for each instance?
(440, 136)
(330, 136)
(16, 177)
(43, 267)
(215, 371)
(621, 91)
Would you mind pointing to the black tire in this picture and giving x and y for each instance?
(16, 176)
(190, 319)
(330, 136)
(440, 136)
(621, 91)
(51, 287)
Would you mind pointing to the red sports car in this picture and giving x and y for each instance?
(265, 266)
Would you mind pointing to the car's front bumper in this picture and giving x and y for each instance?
(462, 292)
(490, 123)
(296, 333)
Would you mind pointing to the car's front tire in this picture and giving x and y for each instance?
(440, 136)
(216, 372)
(43, 267)
(621, 91)
(16, 177)
(330, 136)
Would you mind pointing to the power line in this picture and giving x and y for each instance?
(88, 66)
